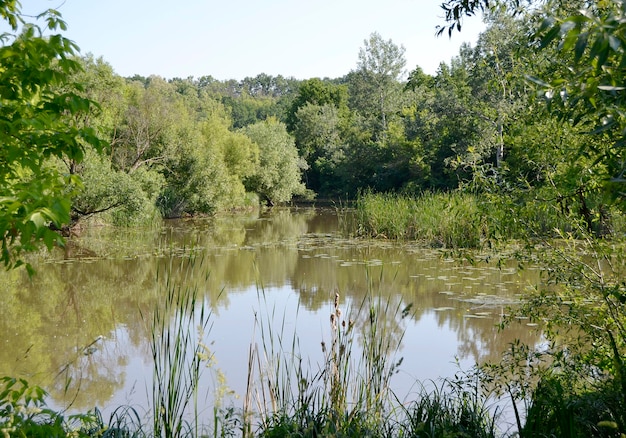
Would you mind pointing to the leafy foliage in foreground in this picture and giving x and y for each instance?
(33, 128)
(583, 311)
(23, 413)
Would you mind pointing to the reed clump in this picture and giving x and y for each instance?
(450, 220)
(349, 394)
(450, 409)
(178, 326)
(470, 220)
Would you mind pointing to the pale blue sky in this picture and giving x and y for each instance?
(237, 38)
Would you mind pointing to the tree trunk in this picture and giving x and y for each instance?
(500, 149)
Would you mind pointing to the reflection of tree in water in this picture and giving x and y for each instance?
(480, 339)
(464, 295)
(63, 309)
(428, 281)
(69, 303)
(244, 252)
(90, 379)
(474, 305)
(279, 226)
(379, 320)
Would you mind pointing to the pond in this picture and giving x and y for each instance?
(80, 326)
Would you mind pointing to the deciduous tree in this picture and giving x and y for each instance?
(375, 85)
(35, 127)
(278, 176)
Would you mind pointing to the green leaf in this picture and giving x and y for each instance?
(581, 45)
(550, 36)
(610, 88)
(571, 38)
(50, 238)
(615, 43)
(36, 132)
(38, 219)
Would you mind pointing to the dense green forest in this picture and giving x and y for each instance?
(533, 109)
(501, 116)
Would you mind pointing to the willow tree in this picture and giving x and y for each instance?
(278, 174)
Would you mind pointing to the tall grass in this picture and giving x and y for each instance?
(457, 219)
(451, 409)
(177, 328)
(343, 395)
(469, 220)
(349, 393)
(276, 373)
(451, 220)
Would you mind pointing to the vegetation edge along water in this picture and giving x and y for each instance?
(557, 396)
(520, 137)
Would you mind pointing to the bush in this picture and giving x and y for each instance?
(558, 408)
(23, 413)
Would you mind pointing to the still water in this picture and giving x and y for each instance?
(80, 327)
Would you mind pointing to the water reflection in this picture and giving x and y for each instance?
(284, 259)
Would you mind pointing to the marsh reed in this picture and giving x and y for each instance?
(449, 220)
(179, 323)
(347, 392)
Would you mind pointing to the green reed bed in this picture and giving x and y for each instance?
(467, 220)
(451, 220)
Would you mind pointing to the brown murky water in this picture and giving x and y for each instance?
(75, 328)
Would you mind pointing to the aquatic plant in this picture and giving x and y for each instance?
(179, 323)
(450, 220)
(347, 394)
(455, 407)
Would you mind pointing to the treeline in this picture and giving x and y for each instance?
(197, 146)
(532, 113)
